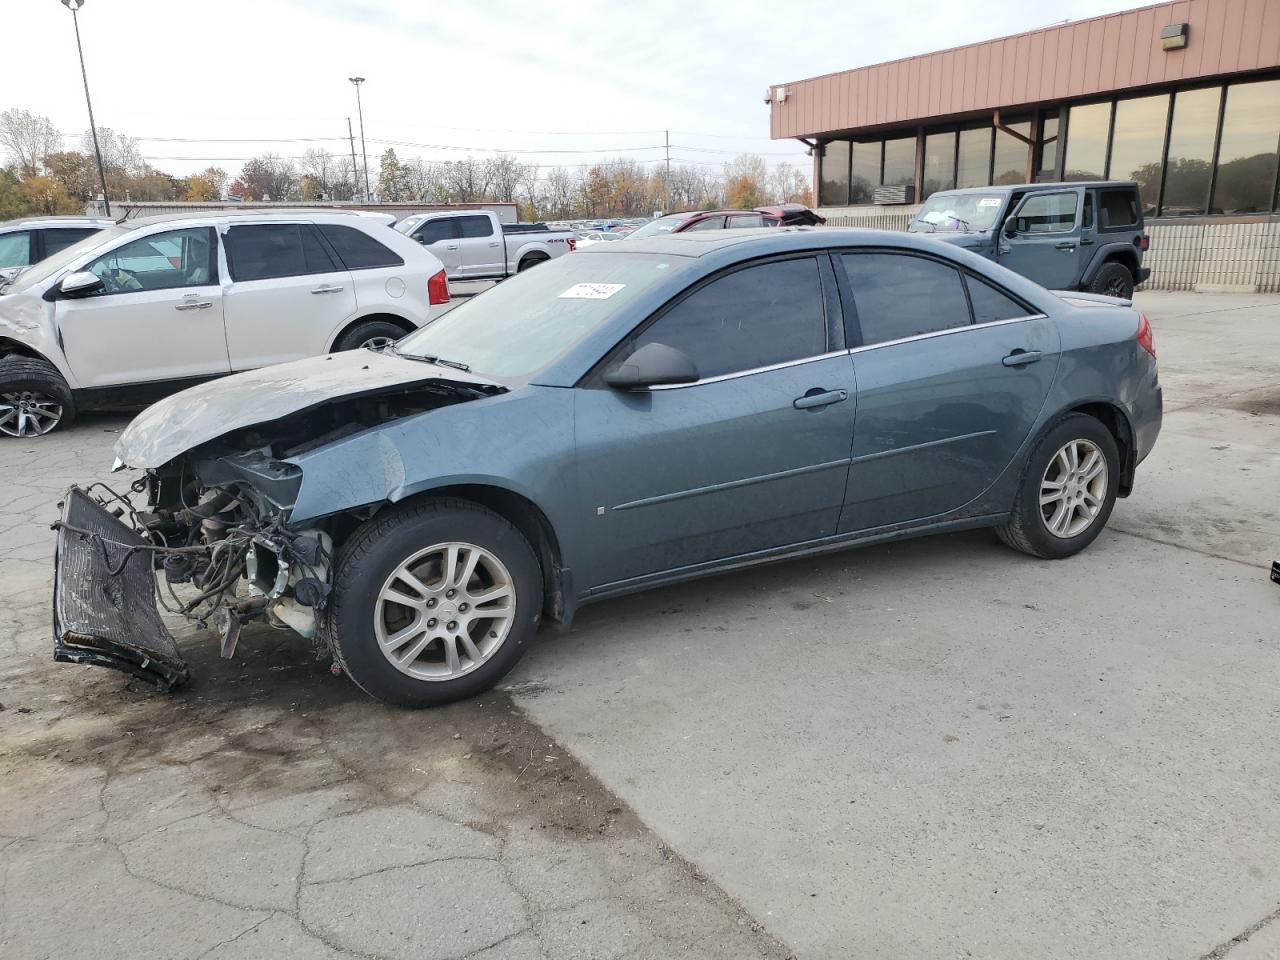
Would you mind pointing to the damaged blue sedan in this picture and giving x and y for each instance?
(612, 421)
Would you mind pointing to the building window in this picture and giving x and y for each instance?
(939, 163)
(1137, 144)
(1011, 153)
(865, 175)
(1188, 166)
(973, 161)
(1047, 149)
(833, 187)
(1246, 173)
(1088, 126)
(899, 162)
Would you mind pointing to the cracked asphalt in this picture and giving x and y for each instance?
(934, 749)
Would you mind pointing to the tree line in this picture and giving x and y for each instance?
(43, 176)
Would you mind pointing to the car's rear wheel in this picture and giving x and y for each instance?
(1114, 280)
(1068, 490)
(34, 399)
(532, 260)
(371, 333)
(433, 601)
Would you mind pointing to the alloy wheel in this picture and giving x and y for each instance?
(1073, 488)
(377, 343)
(28, 414)
(444, 611)
(1116, 288)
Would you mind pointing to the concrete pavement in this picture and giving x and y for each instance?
(932, 749)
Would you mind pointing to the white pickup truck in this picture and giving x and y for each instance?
(474, 245)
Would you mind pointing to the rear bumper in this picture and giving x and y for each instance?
(1144, 274)
(104, 597)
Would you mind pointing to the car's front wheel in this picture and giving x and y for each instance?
(433, 601)
(34, 399)
(1068, 490)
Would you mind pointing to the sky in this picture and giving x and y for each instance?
(558, 83)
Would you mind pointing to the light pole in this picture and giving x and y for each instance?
(363, 153)
(73, 6)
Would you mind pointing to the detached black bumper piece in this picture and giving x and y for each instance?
(1275, 571)
(104, 598)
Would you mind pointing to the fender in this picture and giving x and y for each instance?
(1117, 250)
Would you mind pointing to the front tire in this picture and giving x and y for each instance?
(1114, 280)
(434, 600)
(34, 398)
(1068, 490)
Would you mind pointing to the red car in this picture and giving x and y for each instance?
(785, 215)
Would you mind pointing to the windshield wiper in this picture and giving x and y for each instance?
(438, 361)
(933, 227)
(964, 224)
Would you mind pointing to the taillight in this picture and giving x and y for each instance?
(438, 288)
(1144, 243)
(573, 244)
(1146, 339)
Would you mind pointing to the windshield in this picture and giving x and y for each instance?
(957, 213)
(520, 326)
(659, 227)
(51, 266)
(408, 223)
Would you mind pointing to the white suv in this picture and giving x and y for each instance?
(29, 240)
(148, 307)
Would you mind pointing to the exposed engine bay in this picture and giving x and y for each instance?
(206, 537)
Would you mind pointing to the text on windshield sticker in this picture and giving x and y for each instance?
(591, 291)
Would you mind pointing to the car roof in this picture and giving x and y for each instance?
(227, 216)
(1055, 185)
(765, 240)
(68, 220)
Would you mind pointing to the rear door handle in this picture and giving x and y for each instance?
(327, 288)
(494, 244)
(819, 398)
(193, 305)
(451, 246)
(1065, 245)
(1086, 242)
(1020, 358)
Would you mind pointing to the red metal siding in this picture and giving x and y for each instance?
(1092, 57)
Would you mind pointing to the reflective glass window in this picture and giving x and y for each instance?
(866, 171)
(1087, 127)
(1137, 143)
(939, 163)
(1247, 154)
(899, 161)
(833, 185)
(1187, 169)
(973, 165)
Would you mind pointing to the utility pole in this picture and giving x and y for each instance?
(363, 152)
(667, 181)
(355, 171)
(73, 6)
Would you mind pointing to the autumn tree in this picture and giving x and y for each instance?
(393, 179)
(47, 196)
(76, 171)
(28, 139)
(505, 174)
(467, 180)
(746, 182)
(268, 177)
(789, 185)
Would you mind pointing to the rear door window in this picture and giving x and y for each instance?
(476, 227)
(265, 251)
(358, 250)
(57, 240)
(710, 223)
(755, 317)
(1117, 209)
(741, 220)
(898, 295)
(15, 249)
(990, 304)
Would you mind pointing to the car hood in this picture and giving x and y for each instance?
(185, 420)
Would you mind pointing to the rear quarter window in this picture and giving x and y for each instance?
(1117, 209)
(358, 250)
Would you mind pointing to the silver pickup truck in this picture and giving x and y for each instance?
(474, 245)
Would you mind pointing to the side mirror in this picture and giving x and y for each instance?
(80, 284)
(1011, 227)
(652, 365)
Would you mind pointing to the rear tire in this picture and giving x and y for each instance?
(1059, 510)
(34, 398)
(361, 620)
(369, 333)
(531, 261)
(1114, 280)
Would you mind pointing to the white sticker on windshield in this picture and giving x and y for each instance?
(591, 291)
(989, 202)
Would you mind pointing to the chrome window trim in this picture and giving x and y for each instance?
(746, 373)
(950, 330)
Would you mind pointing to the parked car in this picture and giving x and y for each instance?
(598, 236)
(631, 416)
(1064, 236)
(30, 240)
(475, 245)
(786, 215)
(143, 308)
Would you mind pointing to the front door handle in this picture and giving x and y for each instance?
(451, 246)
(192, 304)
(327, 288)
(1020, 358)
(819, 398)
(1065, 245)
(494, 244)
